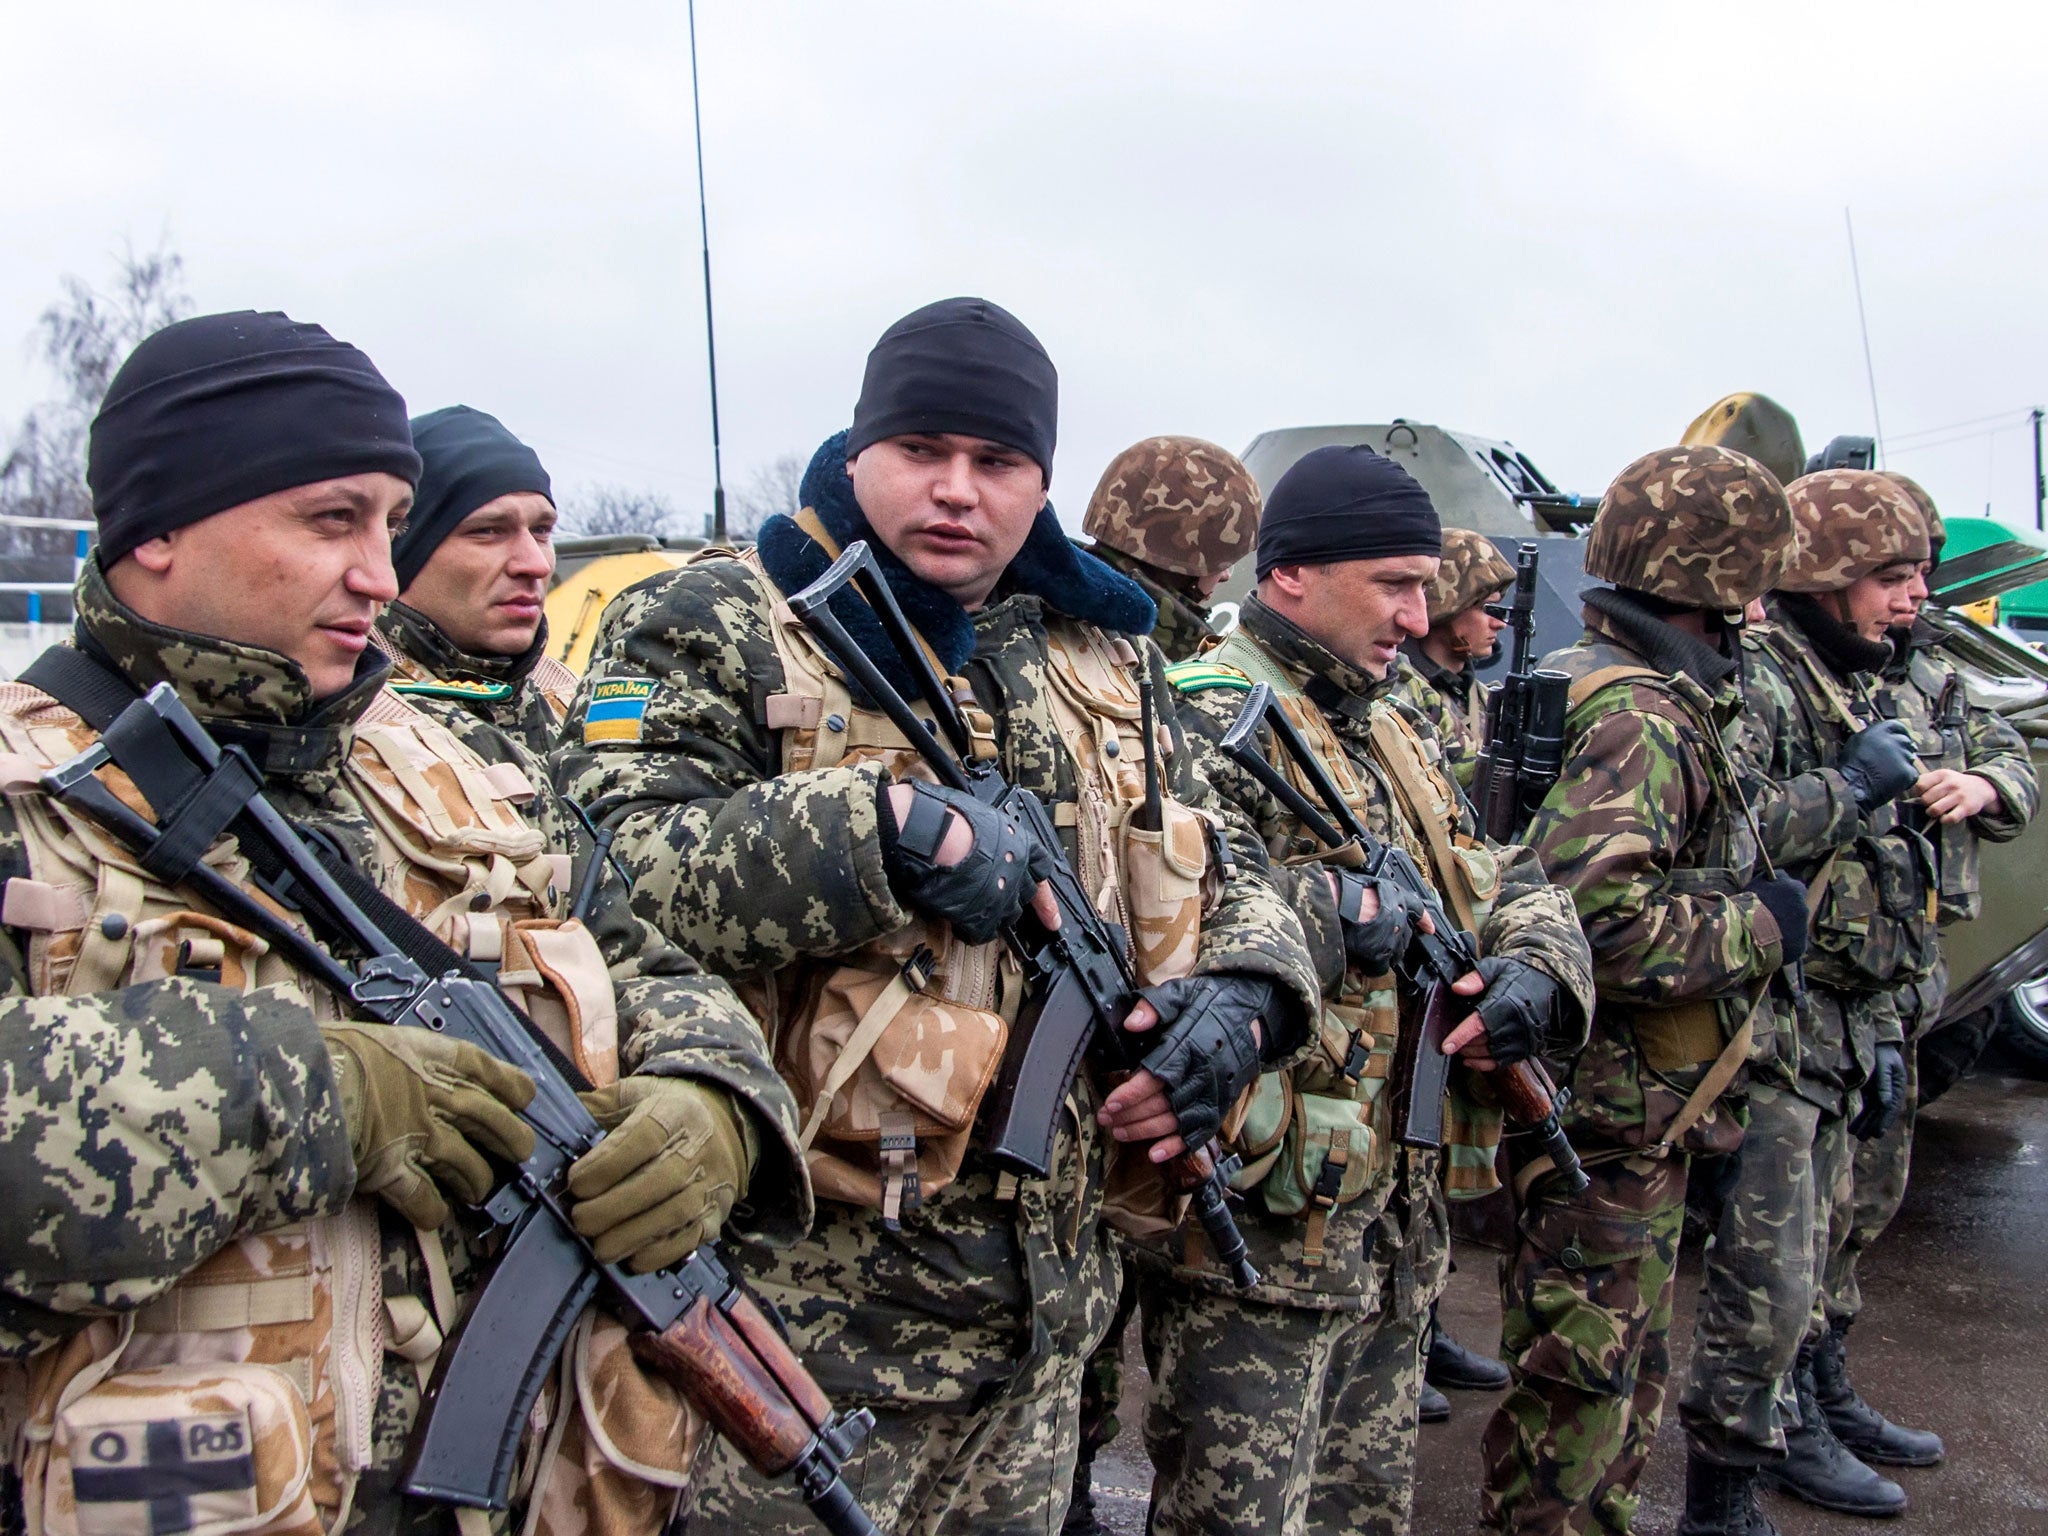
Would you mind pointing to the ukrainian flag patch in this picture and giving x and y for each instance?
(617, 709)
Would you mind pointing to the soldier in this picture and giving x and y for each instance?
(1828, 769)
(1436, 673)
(1292, 1408)
(1977, 784)
(781, 829)
(214, 1184)
(1647, 831)
(1175, 514)
(473, 564)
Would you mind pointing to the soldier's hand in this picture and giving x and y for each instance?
(1517, 1004)
(666, 1177)
(1208, 1054)
(1951, 795)
(1380, 918)
(1884, 1095)
(1880, 763)
(422, 1112)
(953, 857)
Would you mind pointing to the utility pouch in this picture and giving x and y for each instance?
(1163, 885)
(1323, 1134)
(1875, 925)
(553, 971)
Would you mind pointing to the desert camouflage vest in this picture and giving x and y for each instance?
(890, 1050)
(260, 1372)
(1321, 1134)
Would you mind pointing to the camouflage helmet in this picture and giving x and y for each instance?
(1852, 522)
(1472, 572)
(1703, 526)
(1937, 531)
(1177, 503)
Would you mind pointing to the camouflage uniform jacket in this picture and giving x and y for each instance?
(1528, 919)
(1642, 830)
(1183, 626)
(1791, 731)
(755, 871)
(526, 695)
(108, 1199)
(1452, 703)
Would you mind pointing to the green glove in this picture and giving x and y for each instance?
(663, 1181)
(419, 1107)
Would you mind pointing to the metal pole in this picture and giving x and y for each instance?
(2040, 485)
(1869, 372)
(710, 343)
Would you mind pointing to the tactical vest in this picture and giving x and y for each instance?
(1933, 701)
(889, 1050)
(245, 1396)
(1320, 1134)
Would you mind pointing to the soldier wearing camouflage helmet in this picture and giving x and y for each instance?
(1437, 675)
(229, 1212)
(1175, 514)
(1687, 928)
(1977, 785)
(1824, 768)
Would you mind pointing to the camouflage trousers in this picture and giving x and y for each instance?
(1288, 1420)
(1586, 1304)
(1102, 1378)
(1878, 1174)
(1834, 1218)
(1757, 1291)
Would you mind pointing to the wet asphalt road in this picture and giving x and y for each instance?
(1953, 1338)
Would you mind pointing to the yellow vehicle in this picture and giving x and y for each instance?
(590, 572)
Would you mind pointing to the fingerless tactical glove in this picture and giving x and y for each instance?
(987, 889)
(1206, 1055)
(1516, 1008)
(1372, 946)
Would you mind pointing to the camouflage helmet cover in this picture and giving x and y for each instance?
(1702, 526)
(1177, 503)
(1937, 531)
(1852, 522)
(1472, 571)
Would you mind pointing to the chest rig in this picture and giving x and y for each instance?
(1320, 1135)
(249, 1395)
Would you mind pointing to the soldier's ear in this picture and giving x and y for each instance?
(154, 555)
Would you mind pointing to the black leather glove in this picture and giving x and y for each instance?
(983, 892)
(1884, 1096)
(1206, 1055)
(1374, 945)
(1516, 1008)
(1785, 899)
(1880, 763)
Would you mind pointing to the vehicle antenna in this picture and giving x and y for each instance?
(717, 528)
(1869, 371)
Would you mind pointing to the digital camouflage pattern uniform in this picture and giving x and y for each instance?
(525, 695)
(965, 1331)
(1645, 830)
(1168, 512)
(109, 1198)
(1292, 1408)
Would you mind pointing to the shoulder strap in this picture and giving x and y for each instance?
(1401, 756)
(83, 684)
(1584, 688)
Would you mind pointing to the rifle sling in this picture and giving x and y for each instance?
(100, 695)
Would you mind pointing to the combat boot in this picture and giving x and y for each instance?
(1721, 1501)
(1866, 1432)
(1082, 1520)
(1819, 1470)
(1435, 1407)
(1453, 1367)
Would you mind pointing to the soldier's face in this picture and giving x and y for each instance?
(1474, 632)
(1360, 610)
(302, 572)
(954, 509)
(1883, 600)
(485, 584)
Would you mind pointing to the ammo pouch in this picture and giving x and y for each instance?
(1875, 918)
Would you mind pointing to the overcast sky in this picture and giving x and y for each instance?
(1571, 225)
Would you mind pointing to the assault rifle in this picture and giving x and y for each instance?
(695, 1326)
(1080, 986)
(1434, 960)
(1525, 712)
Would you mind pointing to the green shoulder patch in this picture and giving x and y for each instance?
(482, 693)
(1198, 676)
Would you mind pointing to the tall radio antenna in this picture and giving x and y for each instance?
(717, 529)
(1863, 325)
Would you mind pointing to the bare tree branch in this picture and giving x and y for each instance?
(602, 509)
(772, 487)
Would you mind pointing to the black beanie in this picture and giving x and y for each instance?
(960, 365)
(1340, 504)
(219, 410)
(469, 460)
